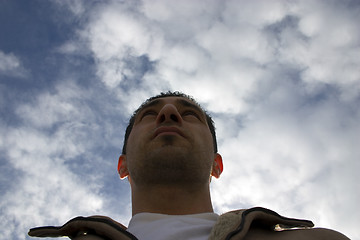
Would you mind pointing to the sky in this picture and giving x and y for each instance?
(280, 78)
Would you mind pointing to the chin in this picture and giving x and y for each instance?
(170, 150)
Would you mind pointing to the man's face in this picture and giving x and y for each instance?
(170, 142)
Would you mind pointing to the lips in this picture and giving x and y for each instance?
(168, 130)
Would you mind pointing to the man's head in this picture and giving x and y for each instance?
(209, 120)
(170, 140)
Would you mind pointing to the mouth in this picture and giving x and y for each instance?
(167, 131)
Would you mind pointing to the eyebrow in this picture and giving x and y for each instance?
(150, 104)
(189, 104)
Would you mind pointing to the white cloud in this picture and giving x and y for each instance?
(331, 50)
(76, 7)
(62, 105)
(50, 184)
(297, 162)
(254, 13)
(46, 190)
(10, 65)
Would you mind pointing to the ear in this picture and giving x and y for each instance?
(217, 167)
(122, 167)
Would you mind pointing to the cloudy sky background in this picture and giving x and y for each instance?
(280, 78)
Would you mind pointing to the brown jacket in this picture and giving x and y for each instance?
(247, 224)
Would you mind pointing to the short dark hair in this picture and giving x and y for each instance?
(209, 120)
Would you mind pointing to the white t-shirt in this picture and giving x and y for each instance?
(153, 226)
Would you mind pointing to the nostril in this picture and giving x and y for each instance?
(174, 117)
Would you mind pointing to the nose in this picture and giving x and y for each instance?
(169, 113)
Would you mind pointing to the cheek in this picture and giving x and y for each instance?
(136, 140)
(206, 140)
(131, 142)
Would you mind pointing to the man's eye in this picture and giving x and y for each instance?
(190, 113)
(148, 113)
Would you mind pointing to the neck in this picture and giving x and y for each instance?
(171, 200)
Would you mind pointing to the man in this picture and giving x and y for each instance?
(169, 156)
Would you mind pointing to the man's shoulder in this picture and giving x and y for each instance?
(94, 226)
(262, 223)
(293, 234)
(324, 233)
(309, 234)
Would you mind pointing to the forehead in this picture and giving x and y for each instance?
(177, 101)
